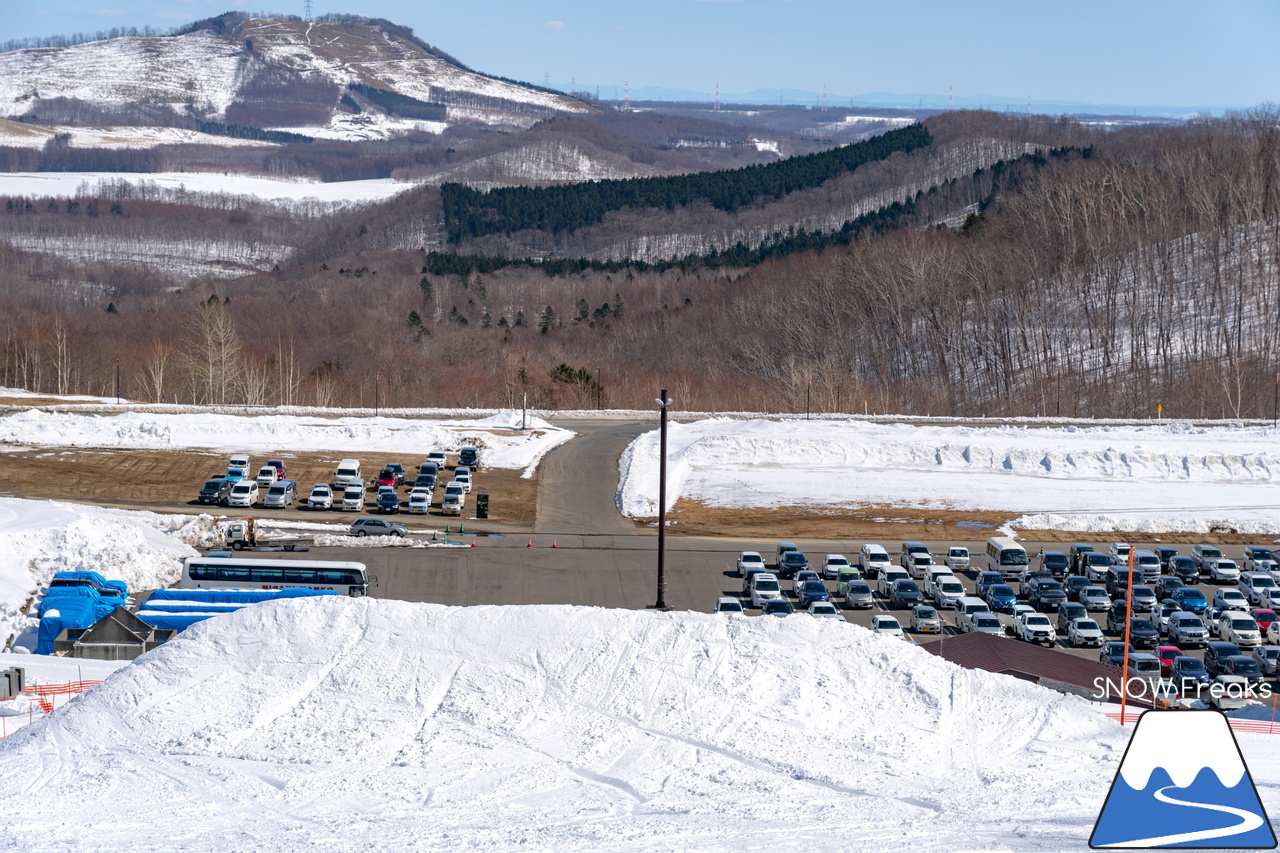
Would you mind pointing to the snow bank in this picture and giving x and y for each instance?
(80, 184)
(353, 723)
(39, 538)
(1151, 478)
(497, 435)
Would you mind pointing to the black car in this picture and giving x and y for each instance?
(388, 501)
(1068, 612)
(470, 457)
(1116, 615)
(1046, 595)
(215, 491)
(1143, 634)
(905, 594)
(1166, 585)
(1055, 563)
(425, 481)
(1076, 556)
(1073, 584)
(1216, 654)
(1244, 666)
(1118, 581)
(792, 562)
(1164, 555)
(1112, 653)
(1184, 569)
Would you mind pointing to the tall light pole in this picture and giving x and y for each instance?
(377, 379)
(663, 402)
(117, 381)
(597, 387)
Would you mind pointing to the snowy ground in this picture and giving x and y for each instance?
(69, 184)
(498, 435)
(353, 723)
(1152, 478)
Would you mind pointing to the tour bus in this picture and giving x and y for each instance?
(1005, 556)
(235, 573)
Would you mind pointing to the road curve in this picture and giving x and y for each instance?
(578, 481)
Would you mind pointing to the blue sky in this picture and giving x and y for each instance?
(1122, 52)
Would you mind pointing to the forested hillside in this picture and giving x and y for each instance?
(1008, 267)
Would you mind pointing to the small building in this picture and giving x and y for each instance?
(120, 635)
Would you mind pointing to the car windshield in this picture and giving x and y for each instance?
(987, 622)
(837, 561)
(1189, 622)
(1244, 625)
(890, 623)
(1002, 589)
(731, 606)
(1245, 666)
(1087, 625)
(1037, 620)
(926, 613)
(1187, 663)
(1192, 595)
(1209, 553)
(752, 558)
(777, 606)
(906, 586)
(1142, 625)
(766, 586)
(793, 557)
(1096, 559)
(877, 558)
(1270, 654)
(859, 589)
(814, 586)
(1056, 561)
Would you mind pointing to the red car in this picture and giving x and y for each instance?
(387, 477)
(1166, 655)
(1264, 617)
(279, 466)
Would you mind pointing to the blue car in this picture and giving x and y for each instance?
(1001, 598)
(812, 591)
(1191, 600)
(986, 580)
(1190, 668)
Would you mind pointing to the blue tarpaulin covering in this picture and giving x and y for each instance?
(233, 596)
(176, 621)
(58, 594)
(95, 579)
(72, 612)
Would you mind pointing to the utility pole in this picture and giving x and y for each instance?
(597, 387)
(117, 381)
(661, 603)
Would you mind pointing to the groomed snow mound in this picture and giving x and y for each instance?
(365, 724)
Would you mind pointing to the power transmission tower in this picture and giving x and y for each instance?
(306, 10)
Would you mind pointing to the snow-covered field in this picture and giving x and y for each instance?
(356, 723)
(498, 435)
(1154, 478)
(69, 184)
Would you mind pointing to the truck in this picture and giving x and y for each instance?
(1034, 628)
(242, 533)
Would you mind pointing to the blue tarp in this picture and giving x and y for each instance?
(72, 612)
(58, 594)
(96, 579)
(176, 621)
(233, 596)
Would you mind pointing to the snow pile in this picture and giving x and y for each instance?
(1153, 478)
(354, 723)
(88, 184)
(39, 538)
(503, 445)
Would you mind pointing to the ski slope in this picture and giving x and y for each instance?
(350, 724)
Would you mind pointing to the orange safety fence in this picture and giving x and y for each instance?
(45, 693)
(1265, 727)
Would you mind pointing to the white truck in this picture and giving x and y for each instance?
(242, 533)
(1034, 628)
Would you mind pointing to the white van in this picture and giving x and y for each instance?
(454, 496)
(348, 470)
(281, 494)
(1006, 556)
(968, 606)
(267, 475)
(873, 559)
(353, 496)
(243, 493)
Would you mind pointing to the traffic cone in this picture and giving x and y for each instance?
(461, 530)
(446, 530)
(434, 535)
(553, 543)
(473, 541)
(529, 544)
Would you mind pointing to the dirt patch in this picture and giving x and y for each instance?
(168, 481)
(875, 523)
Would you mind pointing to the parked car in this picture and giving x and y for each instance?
(266, 476)
(882, 623)
(887, 578)
(1095, 566)
(371, 526)
(399, 472)
(1165, 586)
(353, 496)
(437, 457)
(1264, 616)
(1239, 628)
(279, 465)
(1267, 658)
(1224, 571)
(348, 470)
(811, 591)
(873, 559)
(1167, 655)
(1144, 665)
(1046, 595)
(1202, 554)
(1083, 633)
(1188, 668)
(801, 578)
(847, 576)
(1142, 634)
(792, 562)
(727, 604)
(469, 455)
(1073, 584)
(1164, 554)
(905, 593)
(1034, 628)
(1144, 597)
(1256, 586)
(387, 477)
(1230, 599)
(762, 587)
(321, 497)
(281, 494)
(985, 581)
(947, 590)
(1118, 552)
(957, 558)
(1216, 653)
(244, 493)
(1068, 612)
(426, 481)
(1116, 616)
(1055, 563)
(749, 562)
(919, 564)
(454, 499)
(1162, 613)
(776, 607)
(1229, 692)
(909, 550)
(1184, 569)
(832, 564)
(925, 620)
(1075, 555)
(1112, 653)
(1146, 565)
(236, 473)
(419, 501)
(1192, 600)
(388, 501)
(1001, 598)
(215, 491)
(825, 609)
(857, 595)
(1186, 629)
(1244, 666)
(462, 474)
(1258, 558)
(1094, 598)
(983, 623)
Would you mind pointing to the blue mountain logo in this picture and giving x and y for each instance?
(1183, 783)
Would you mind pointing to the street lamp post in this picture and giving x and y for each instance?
(377, 379)
(117, 381)
(663, 402)
(597, 388)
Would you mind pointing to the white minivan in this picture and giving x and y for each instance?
(281, 494)
(353, 496)
(348, 470)
(454, 496)
(873, 559)
(243, 493)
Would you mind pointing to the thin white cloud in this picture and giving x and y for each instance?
(555, 26)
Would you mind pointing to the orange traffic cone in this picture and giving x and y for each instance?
(553, 543)
(530, 543)
(473, 541)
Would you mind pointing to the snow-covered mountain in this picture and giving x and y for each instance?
(265, 72)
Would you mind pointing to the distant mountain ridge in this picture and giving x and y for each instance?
(326, 76)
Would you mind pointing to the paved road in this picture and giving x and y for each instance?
(578, 481)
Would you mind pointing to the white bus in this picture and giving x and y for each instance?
(1005, 556)
(234, 573)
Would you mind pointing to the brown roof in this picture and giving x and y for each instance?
(1054, 669)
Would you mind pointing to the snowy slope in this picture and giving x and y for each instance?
(1172, 476)
(360, 723)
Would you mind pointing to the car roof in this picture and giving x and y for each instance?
(749, 554)
(722, 599)
(837, 557)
